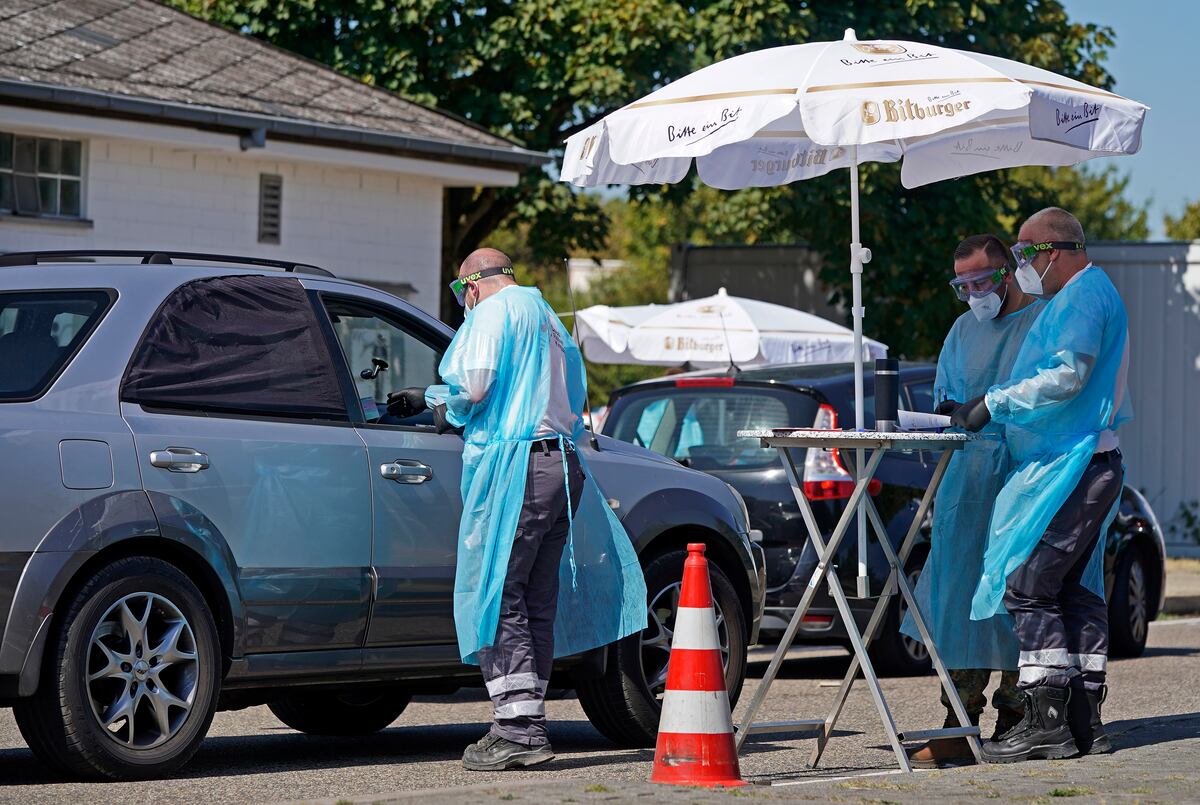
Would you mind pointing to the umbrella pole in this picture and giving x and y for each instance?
(858, 256)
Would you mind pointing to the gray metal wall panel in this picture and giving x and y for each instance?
(1160, 284)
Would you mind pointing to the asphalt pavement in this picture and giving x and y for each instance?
(1153, 712)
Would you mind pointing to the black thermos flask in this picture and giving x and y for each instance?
(887, 393)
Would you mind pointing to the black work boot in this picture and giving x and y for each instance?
(493, 753)
(1084, 717)
(1043, 732)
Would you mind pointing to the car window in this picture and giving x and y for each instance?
(920, 396)
(698, 427)
(366, 333)
(243, 345)
(39, 331)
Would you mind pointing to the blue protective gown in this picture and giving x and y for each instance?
(975, 356)
(497, 379)
(1062, 394)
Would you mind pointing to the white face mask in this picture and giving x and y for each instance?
(1030, 281)
(987, 307)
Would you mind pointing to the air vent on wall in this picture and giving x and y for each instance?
(270, 207)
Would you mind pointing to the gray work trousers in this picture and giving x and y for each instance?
(1061, 626)
(516, 667)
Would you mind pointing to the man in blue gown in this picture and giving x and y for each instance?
(1044, 562)
(978, 353)
(515, 384)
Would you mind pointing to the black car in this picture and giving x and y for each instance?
(694, 418)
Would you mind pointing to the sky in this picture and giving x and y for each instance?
(1150, 62)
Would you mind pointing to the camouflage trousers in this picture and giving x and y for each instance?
(970, 684)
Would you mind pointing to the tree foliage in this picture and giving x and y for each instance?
(538, 70)
(1186, 226)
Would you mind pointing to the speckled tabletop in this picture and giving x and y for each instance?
(896, 440)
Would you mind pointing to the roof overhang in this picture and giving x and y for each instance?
(254, 130)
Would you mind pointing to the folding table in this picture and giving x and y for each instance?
(875, 444)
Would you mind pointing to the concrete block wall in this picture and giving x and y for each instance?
(360, 224)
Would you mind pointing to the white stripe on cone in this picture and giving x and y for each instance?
(698, 712)
(695, 628)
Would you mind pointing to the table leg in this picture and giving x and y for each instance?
(868, 669)
(824, 556)
(839, 596)
(909, 595)
(880, 611)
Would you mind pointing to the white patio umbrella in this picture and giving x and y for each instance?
(714, 331)
(780, 115)
(789, 113)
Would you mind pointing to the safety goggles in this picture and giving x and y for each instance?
(979, 284)
(1024, 251)
(459, 286)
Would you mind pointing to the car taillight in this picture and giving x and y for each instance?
(824, 476)
(704, 382)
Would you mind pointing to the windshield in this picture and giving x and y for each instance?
(698, 426)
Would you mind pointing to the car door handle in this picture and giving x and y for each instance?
(179, 459)
(403, 471)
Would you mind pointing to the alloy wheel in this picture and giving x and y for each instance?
(142, 670)
(660, 628)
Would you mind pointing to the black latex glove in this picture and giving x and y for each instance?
(972, 415)
(946, 407)
(406, 402)
(440, 423)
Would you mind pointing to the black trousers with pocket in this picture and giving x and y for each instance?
(1061, 626)
(516, 667)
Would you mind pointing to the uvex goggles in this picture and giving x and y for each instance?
(1024, 251)
(459, 286)
(979, 284)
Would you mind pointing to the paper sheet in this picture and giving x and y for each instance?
(914, 420)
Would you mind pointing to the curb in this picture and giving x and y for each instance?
(1182, 605)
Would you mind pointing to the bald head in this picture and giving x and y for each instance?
(482, 260)
(1055, 225)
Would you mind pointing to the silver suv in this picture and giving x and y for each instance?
(207, 506)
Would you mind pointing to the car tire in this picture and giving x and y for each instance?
(1129, 607)
(622, 703)
(893, 653)
(136, 638)
(341, 712)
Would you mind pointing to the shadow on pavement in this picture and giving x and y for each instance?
(1168, 651)
(271, 752)
(1135, 732)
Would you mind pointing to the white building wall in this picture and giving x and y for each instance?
(370, 225)
(1160, 285)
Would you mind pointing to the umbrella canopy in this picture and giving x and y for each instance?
(789, 113)
(784, 114)
(714, 331)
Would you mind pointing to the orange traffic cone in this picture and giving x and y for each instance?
(695, 732)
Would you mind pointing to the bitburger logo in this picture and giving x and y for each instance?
(906, 109)
(878, 49)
